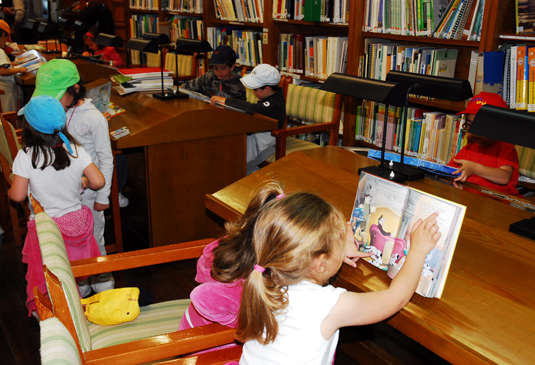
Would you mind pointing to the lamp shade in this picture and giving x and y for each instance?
(504, 125)
(389, 93)
(192, 45)
(109, 40)
(32, 24)
(445, 88)
(160, 38)
(46, 28)
(142, 45)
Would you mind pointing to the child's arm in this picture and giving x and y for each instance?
(353, 309)
(19, 189)
(12, 71)
(215, 100)
(498, 175)
(95, 179)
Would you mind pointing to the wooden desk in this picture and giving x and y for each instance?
(487, 312)
(190, 148)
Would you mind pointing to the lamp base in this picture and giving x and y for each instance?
(409, 172)
(524, 228)
(386, 174)
(166, 96)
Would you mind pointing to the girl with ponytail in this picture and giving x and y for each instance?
(289, 314)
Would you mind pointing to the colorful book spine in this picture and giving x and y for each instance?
(522, 78)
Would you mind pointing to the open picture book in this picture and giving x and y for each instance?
(382, 219)
(100, 97)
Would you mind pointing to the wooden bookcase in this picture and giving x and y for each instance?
(499, 18)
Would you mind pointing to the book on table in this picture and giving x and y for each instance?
(144, 72)
(100, 97)
(383, 216)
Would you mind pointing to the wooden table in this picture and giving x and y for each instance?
(487, 312)
(188, 149)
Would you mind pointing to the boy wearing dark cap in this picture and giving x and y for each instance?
(264, 81)
(484, 161)
(220, 80)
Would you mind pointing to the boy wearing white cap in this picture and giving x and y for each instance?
(264, 81)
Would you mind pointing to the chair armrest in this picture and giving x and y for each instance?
(163, 346)
(140, 258)
(209, 358)
(279, 133)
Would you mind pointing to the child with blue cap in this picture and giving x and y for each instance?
(53, 168)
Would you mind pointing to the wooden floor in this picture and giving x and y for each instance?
(19, 334)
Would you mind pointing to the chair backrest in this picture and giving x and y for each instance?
(55, 258)
(309, 104)
(57, 344)
(9, 144)
(153, 59)
(186, 64)
(526, 158)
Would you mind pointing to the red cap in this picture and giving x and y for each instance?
(481, 99)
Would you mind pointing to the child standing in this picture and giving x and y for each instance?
(227, 262)
(288, 313)
(13, 92)
(264, 81)
(59, 78)
(484, 161)
(220, 80)
(53, 168)
(108, 54)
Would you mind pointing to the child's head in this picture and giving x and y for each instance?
(5, 33)
(483, 98)
(59, 79)
(300, 237)
(89, 40)
(234, 257)
(44, 130)
(263, 80)
(223, 62)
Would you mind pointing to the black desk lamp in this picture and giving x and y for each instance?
(49, 28)
(445, 88)
(109, 40)
(188, 45)
(163, 40)
(508, 126)
(141, 45)
(389, 93)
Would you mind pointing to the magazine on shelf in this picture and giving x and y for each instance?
(100, 97)
(383, 216)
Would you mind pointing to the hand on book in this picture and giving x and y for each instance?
(425, 234)
(351, 252)
(217, 100)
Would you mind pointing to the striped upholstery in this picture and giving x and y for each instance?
(155, 319)
(185, 64)
(57, 344)
(526, 157)
(4, 146)
(153, 59)
(310, 104)
(250, 95)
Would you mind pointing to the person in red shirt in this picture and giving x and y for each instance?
(484, 161)
(109, 54)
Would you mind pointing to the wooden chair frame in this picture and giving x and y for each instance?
(149, 349)
(334, 127)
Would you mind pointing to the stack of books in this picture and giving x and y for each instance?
(142, 79)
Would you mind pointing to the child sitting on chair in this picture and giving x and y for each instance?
(220, 80)
(108, 54)
(53, 168)
(484, 161)
(12, 91)
(264, 81)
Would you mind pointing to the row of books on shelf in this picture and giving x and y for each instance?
(139, 25)
(184, 6)
(246, 43)
(185, 27)
(144, 4)
(240, 10)
(456, 19)
(382, 56)
(331, 11)
(432, 136)
(313, 56)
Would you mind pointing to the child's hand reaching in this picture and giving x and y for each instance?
(351, 252)
(217, 100)
(425, 234)
(85, 182)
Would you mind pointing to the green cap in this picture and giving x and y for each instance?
(54, 77)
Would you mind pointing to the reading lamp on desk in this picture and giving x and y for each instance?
(162, 40)
(141, 45)
(489, 122)
(188, 45)
(389, 93)
(444, 88)
(49, 28)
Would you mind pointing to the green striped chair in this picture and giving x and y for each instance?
(319, 110)
(157, 323)
(186, 65)
(57, 344)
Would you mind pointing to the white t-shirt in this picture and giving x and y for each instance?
(299, 340)
(57, 191)
(8, 84)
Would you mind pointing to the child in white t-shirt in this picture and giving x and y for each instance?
(288, 313)
(53, 168)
